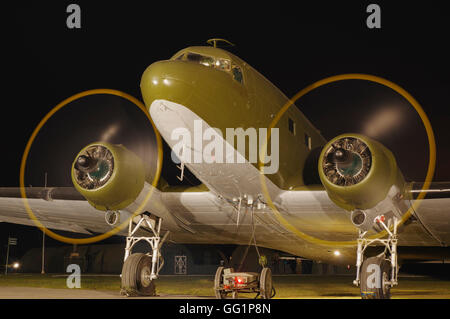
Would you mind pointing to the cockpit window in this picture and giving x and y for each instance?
(180, 57)
(205, 60)
(217, 63)
(237, 73)
(223, 64)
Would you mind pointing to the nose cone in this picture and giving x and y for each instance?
(203, 90)
(169, 80)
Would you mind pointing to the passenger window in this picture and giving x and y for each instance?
(291, 126)
(308, 141)
(237, 74)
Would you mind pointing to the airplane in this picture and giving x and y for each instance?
(339, 201)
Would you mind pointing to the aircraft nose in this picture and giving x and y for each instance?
(167, 80)
(203, 90)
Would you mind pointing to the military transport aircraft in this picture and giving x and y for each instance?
(340, 201)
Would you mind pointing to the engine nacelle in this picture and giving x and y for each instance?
(109, 176)
(361, 176)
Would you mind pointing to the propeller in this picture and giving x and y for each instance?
(95, 118)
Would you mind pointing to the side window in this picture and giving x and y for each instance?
(291, 126)
(308, 141)
(237, 74)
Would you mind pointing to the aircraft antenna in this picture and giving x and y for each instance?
(214, 42)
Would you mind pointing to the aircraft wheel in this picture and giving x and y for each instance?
(265, 283)
(136, 273)
(375, 276)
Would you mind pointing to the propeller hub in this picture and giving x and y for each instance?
(347, 161)
(94, 167)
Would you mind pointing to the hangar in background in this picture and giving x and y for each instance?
(179, 260)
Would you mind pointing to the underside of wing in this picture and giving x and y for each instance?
(56, 208)
(433, 211)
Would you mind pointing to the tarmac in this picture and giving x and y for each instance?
(307, 287)
(52, 293)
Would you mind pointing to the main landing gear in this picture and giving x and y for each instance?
(140, 270)
(377, 275)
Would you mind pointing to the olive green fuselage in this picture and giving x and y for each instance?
(223, 102)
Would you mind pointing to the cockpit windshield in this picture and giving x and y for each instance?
(205, 60)
(217, 63)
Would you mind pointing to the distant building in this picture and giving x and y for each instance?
(179, 259)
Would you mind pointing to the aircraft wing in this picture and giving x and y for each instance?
(191, 217)
(434, 210)
(203, 217)
(64, 208)
(310, 212)
(61, 208)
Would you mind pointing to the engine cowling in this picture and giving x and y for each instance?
(361, 176)
(109, 176)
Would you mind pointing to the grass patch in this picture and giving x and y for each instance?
(286, 286)
(59, 281)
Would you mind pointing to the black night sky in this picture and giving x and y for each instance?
(293, 45)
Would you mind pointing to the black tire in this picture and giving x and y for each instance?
(135, 276)
(265, 283)
(218, 282)
(372, 281)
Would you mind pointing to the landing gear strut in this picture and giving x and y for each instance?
(377, 275)
(140, 270)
